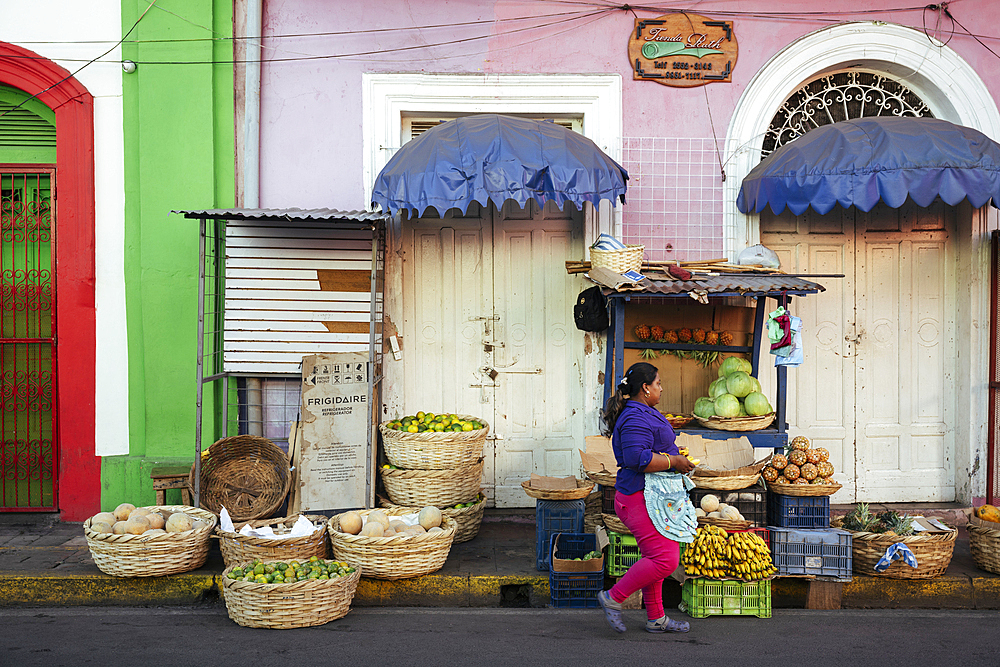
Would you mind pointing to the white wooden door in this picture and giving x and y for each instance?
(878, 383)
(488, 330)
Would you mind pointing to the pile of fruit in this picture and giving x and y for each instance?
(590, 555)
(735, 393)
(379, 524)
(127, 519)
(889, 522)
(713, 508)
(801, 465)
(988, 513)
(657, 334)
(428, 421)
(716, 554)
(685, 453)
(280, 572)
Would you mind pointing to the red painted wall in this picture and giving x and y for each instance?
(78, 470)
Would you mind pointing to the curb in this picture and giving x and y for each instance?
(105, 590)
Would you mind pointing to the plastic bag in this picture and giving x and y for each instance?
(794, 356)
(758, 255)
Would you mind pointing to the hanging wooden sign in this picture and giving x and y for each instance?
(683, 50)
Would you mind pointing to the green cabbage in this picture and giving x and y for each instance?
(756, 404)
(727, 405)
(739, 384)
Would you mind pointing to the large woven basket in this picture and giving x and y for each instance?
(592, 510)
(582, 490)
(933, 553)
(238, 548)
(468, 518)
(726, 482)
(294, 605)
(803, 490)
(420, 488)
(152, 555)
(246, 474)
(725, 524)
(434, 450)
(627, 259)
(737, 423)
(400, 557)
(603, 477)
(613, 523)
(984, 542)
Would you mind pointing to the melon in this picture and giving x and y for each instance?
(738, 384)
(730, 513)
(429, 517)
(699, 512)
(714, 515)
(155, 520)
(397, 525)
(351, 523)
(118, 528)
(179, 522)
(727, 405)
(756, 404)
(709, 502)
(730, 365)
(123, 510)
(756, 383)
(704, 407)
(390, 532)
(379, 515)
(372, 529)
(435, 529)
(106, 517)
(100, 526)
(136, 525)
(717, 388)
(139, 511)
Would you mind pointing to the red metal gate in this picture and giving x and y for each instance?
(992, 469)
(28, 447)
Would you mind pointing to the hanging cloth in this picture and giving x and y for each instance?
(669, 505)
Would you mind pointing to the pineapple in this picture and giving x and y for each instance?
(711, 338)
(779, 461)
(825, 468)
(656, 332)
(813, 456)
(801, 480)
(797, 456)
(642, 332)
(791, 472)
(809, 471)
(698, 335)
(670, 336)
(684, 335)
(800, 442)
(725, 338)
(824, 453)
(859, 518)
(770, 474)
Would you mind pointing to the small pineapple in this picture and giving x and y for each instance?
(670, 336)
(698, 335)
(769, 474)
(642, 332)
(725, 338)
(798, 457)
(824, 453)
(791, 472)
(858, 518)
(813, 456)
(656, 331)
(809, 471)
(825, 468)
(779, 461)
(800, 442)
(711, 338)
(801, 480)
(684, 335)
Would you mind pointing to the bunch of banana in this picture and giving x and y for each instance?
(706, 556)
(684, 452)
(747, 557)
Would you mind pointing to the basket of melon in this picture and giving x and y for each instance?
(393, 544)
(468, 515)
(716, 513)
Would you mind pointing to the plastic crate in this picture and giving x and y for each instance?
(824, 552)
(551, 517)
(574, 545)
(623, 552)
(751, 501)
(798, 511)
(608, 499)
(726, 597)
(577, 590)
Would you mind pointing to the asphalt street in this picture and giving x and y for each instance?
(204, 635)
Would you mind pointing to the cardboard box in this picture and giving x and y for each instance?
(599, 456)
(721, 458)
(582, 543)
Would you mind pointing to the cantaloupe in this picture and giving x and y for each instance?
(429, 517)
(379, 515)
(372, 529)
(714, 515)
(136, 525)
(179, 522)
(106, 517)
(118, 528)
(397, 525)
(710, 503)
(351, 523)
(730, 513)
(155, 520)
(123, 510)
(435, 529)
(139, 511)
(700, 512)
(100, 526)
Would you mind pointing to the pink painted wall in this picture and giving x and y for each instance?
(311, 109)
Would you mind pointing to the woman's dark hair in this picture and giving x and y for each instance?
(637, 375)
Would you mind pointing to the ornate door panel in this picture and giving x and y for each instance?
(28, 450)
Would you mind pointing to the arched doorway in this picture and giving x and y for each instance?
(75, 489)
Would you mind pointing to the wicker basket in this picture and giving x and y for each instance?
(393, 557)
(294, 605)
(803, 490)
(619, 261)
(433, 450)
(725, 483)
(680, 421)
(152, 555)
(420, 488)
(737, 423)
(612, 522)
(603, 478)
(592, 511)
(246, 474)
(985, 544)
(468, 518)
(582, 490)
(933, 553)
(238, 548)
(724, 523)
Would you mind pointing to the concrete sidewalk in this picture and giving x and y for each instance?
(47, 563)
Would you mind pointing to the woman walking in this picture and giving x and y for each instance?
(643, 441)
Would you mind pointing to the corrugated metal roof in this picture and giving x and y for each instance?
(326, 214)
(729, 283)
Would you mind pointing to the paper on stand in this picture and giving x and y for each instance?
(719, 458)
(599, 456)
(544, 483)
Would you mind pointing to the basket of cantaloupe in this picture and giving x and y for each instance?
(469, 516)
(149, 541)
(716, 513)
(393, 544)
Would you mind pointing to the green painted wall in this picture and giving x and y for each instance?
(179, 154)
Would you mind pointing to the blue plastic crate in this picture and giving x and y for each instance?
(577, 590)
(551, 517)
(823, 552)
(798, 511)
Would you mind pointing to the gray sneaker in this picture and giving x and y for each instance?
(612, 611)
(664, 624)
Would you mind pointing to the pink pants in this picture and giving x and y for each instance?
(660, 556)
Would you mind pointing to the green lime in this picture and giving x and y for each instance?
(258, 568)
(282, 566)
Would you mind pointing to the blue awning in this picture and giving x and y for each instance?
(494, 158)
(866, 160)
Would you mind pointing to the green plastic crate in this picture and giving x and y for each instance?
(623, 552)
(726, 597)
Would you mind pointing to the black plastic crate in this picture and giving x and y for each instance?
(554, 516)
(577, 590)
(608, 499)
(823, 552)
(798, 511)
(751, 501)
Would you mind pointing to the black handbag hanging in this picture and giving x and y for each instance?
(591, 310)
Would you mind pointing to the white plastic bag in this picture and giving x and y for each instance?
(758, 255)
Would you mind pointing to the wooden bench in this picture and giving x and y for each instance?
(170, 477)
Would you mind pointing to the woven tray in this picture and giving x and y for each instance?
(737, 423)
(468, 518)
(238, 548)
(603, 478)
(612, 522)
(680, 421)
(582, 490)
(152, 555)
(933, 553)
(592, 511)
(295, 605)
(985, 544)
(420, 488)
(246, 474)
(393, 557)
(724, 523)
(726, 483)
(433, 450)
(619, 261)
(803, 490)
